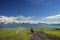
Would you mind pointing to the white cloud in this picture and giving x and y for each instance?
(23, 17)
(6, 19)
(18, 19)
(55, 19)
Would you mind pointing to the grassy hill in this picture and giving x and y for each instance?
(23, 34)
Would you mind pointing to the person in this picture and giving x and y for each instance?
(32, 31)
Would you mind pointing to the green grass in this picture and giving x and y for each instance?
(50, 32)
(6, 33)
(24, 34)
(15, 34)
(53, 32)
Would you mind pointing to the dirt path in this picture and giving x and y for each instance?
(35, 36)
(43, 36)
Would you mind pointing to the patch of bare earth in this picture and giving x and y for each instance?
(43, 36)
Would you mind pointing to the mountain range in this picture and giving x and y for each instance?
(27, 25)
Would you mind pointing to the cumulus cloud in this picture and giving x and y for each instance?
(6, 19)
(55, 19)
(18, 19)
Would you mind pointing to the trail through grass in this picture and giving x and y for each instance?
(24, 34)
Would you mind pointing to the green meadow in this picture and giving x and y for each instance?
(15, 34)
(23, 34)
(53, 32)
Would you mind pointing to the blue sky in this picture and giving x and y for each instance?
(37, 8)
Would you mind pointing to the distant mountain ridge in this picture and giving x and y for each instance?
(27, 25)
